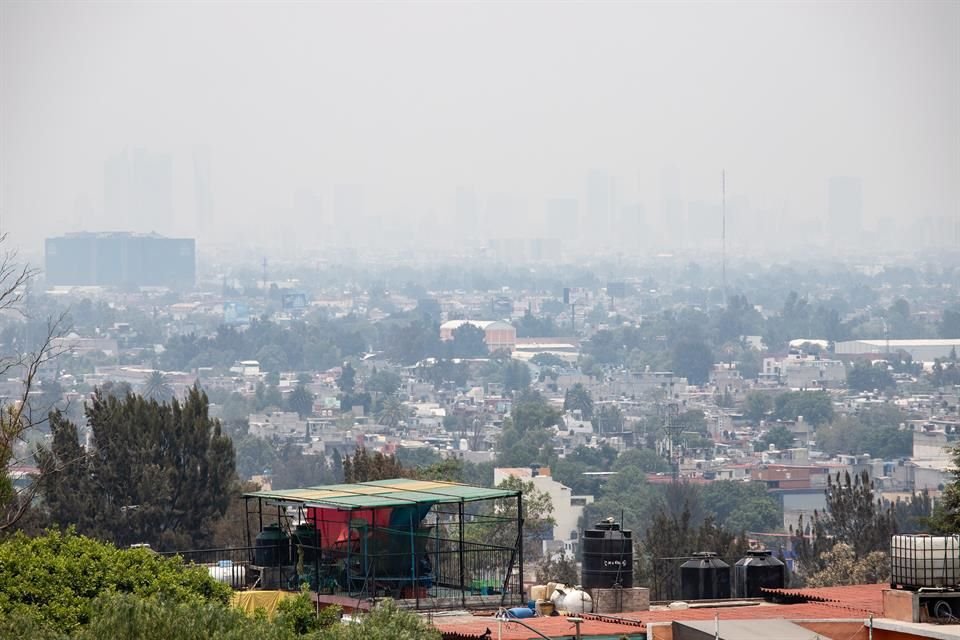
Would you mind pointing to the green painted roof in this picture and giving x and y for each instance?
(383, 493)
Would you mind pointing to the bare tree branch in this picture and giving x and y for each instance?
(17, 416)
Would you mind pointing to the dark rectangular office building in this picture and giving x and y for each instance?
(120, 260)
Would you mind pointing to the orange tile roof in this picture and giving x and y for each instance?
(859, 597)
(637, 621)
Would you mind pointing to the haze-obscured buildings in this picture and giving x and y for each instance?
(120, 259)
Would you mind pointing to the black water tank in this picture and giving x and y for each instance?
(704, 577)
(757, 570)
(272, 547)
(607, 557)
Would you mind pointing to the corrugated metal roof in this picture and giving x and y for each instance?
(383, 493)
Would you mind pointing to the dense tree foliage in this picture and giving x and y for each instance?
(676, 532)
(693, 360)
(854, 516)
(743, 506)
(155, 473)
(531, 326)
(53, 579)
(875, 430)
(815, 407)
(577, 398)
(495, 524)
(526, 436)
(757, 406)
(865, 377)
(316, 345)
(779, 437)
(364, 467)
(946, 516)
(469, 341)
(301, 401)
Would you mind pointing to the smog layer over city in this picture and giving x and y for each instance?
(318, 319)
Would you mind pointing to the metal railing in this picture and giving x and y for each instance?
(426, 569)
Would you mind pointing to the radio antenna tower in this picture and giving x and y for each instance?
(723, 233)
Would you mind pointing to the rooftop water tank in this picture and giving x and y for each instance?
(607, 556)
(918, 561)
(704, 577)
(755, 571)
(272, 548)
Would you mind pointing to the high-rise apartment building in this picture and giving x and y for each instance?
(120, 259)
(138, 191)
(845, 207)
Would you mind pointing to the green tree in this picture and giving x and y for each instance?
(644, 460)
(54, 579)
(363, 467)
(950, 324)
(779, 436)
(578, 398)
(495, 529)
(674, 532)
(393, 412)
(866, 434)
(469, 341)
(526, 437)
(854, 516)
(864, 377)
(157, 388)
(530, 326)
(294, 469)
(756, 406)
(609, 419)
(348, 379)
(516, 376)
(815, 406)
(842, 566)
(946, 514)
(382, 382)
(742, 506)
(155, 473)
(301, 401)
(254, 455)
(693, 360)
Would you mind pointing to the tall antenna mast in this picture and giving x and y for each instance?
(723, 234)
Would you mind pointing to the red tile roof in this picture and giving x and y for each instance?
(859, 597)
(637, 621)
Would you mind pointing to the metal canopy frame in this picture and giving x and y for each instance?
(457, 565)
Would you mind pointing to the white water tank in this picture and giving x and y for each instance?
(925, 561)
(577, 601)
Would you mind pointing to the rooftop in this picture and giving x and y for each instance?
(382, 493)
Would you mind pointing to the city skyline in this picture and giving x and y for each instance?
(378, 115)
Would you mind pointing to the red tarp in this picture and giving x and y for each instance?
(332, 524)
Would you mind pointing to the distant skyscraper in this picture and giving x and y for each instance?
(562, 218)
(598, 221)
(631, 233)
(138, 191)
(845, 207)
(348, 212)
(203, 190)
(466, 210)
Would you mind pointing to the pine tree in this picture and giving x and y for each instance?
(155, 473)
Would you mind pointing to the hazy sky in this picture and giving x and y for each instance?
(517, 98)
